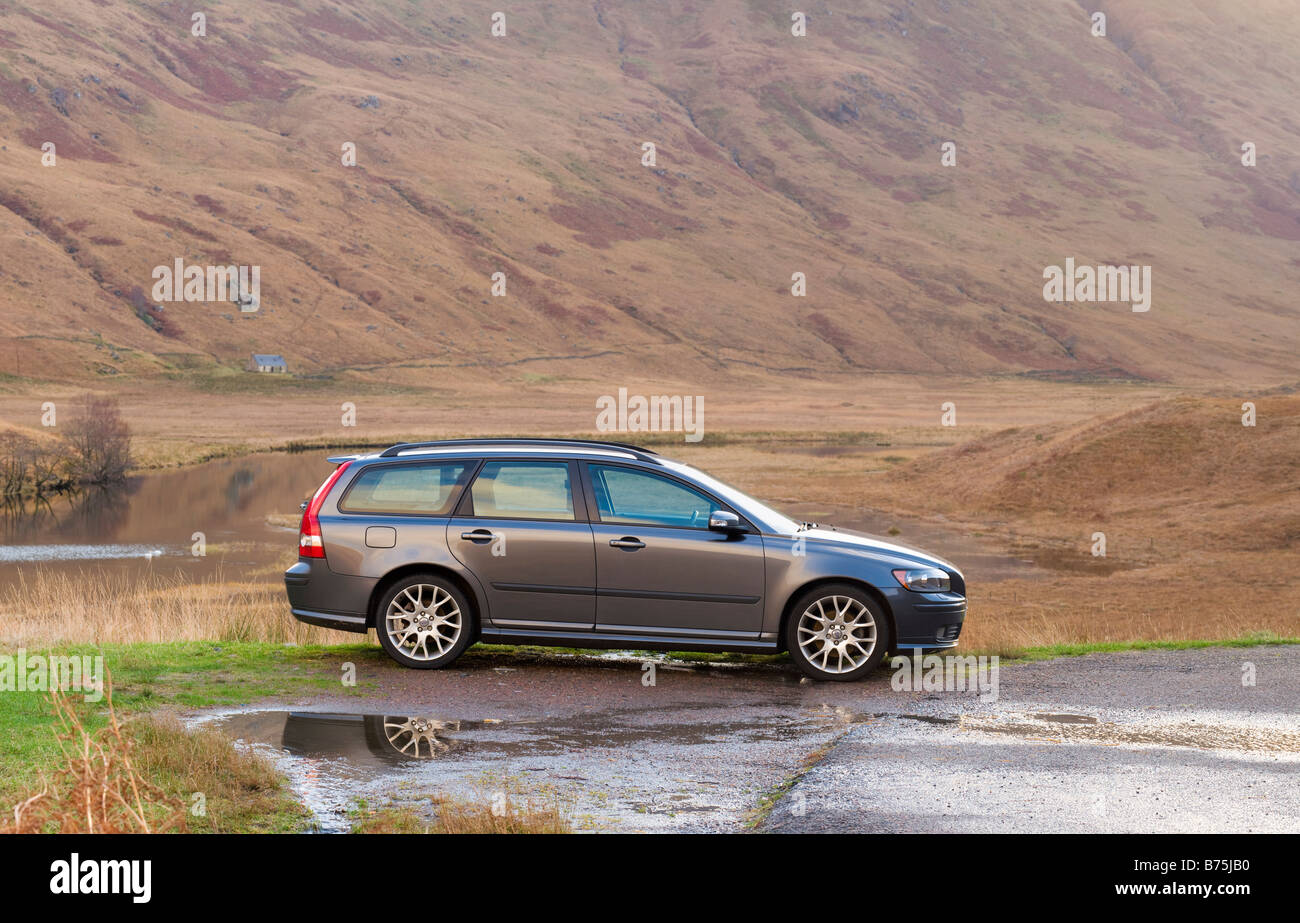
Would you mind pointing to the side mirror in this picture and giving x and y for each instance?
(723, 521)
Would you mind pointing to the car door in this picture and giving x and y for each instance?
(519, 531)
(659, 567)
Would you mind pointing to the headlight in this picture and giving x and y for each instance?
(924, 580)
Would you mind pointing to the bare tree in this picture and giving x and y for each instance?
(15, 463)
(99, 441)
(29, 466)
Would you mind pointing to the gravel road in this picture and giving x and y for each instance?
(1152, 741)
(1134, 741)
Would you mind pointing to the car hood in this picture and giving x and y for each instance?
(875, 544)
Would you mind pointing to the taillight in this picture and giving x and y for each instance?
(310, 544)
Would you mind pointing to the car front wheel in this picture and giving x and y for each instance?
(837, 633)
(424, 622)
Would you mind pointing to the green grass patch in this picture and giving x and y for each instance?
(1047, 652)
(146, 677)
(768, 800)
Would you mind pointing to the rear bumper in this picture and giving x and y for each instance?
(337, 620)
(318, 596)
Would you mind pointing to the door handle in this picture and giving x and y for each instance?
(627, 542)
(478, 535)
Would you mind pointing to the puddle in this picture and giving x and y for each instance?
(621, 769)
(1065, 719)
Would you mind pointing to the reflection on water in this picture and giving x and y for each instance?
(246, 509)
(625, 766)
(364, 741)
(389, 738)
(14, 553)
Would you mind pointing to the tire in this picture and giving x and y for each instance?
(424, 622)
(834, 610)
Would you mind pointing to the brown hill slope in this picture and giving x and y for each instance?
(1176, 476)
(776, 154)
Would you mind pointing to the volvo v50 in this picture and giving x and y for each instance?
(590, 544)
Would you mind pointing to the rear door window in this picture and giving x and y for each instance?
(424, 488)
(522, 490)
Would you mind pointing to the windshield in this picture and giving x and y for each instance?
(767, 518)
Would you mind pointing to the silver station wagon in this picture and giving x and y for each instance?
(437, 545)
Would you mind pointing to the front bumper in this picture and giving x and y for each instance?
(928, 620)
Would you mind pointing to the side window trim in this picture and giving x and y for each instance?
(458, 491)
(588, 484)
(577, 491)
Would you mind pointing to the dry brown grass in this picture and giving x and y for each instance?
(515, 816)
(1239, 596)
(146, 775)
(241, 789)
(1180, 475)
(181, 426)
(99, 788)
(57, 608)
(512, 814)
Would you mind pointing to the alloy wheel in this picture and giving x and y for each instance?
(423, 621)
(837, 634)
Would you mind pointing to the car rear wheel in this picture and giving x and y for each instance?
(837, 633)
(424, 622)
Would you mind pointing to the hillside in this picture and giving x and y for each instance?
(1176, 476)
(775, 154)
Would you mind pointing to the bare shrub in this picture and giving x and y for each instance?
(15, 463)
(28, 466)
(99, 441)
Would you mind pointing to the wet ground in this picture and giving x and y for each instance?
(1136, 741)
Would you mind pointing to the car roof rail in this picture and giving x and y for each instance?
(641, 453)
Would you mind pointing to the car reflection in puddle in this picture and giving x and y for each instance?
(362, 740)
(691, 767)
(333, 760)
